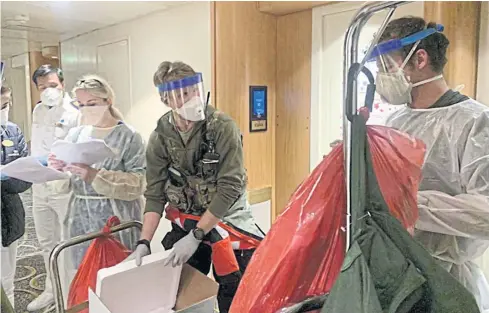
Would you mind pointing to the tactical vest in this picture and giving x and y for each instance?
(192, 193)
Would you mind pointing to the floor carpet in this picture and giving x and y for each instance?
(30, 273)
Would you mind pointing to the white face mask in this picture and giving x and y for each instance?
(92, 115)
(395, 87)
(52, 97)
(4, 116)
(192, 110)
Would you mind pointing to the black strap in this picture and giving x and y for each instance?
(144, 242)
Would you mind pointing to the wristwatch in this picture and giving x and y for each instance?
(144, 242)
(199, 233)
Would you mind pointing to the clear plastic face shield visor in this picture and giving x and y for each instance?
(185, 97)
(392, 83)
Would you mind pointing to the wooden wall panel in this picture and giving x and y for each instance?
(35, 60)
(245, 54)
(294, 48)
(461, 20)
(213, 53)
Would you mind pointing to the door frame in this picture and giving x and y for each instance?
(318, 14)
(129, 57)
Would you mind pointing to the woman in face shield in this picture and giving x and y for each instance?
(453, 197)
(196, 176)
(112, 187)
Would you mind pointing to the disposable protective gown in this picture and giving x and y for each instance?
(454, 193)
(116, 190)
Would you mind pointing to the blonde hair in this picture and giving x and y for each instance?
(98, 87)
(170, 71)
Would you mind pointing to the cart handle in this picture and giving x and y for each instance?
(53, 258)
(350, 55)
(370, 93)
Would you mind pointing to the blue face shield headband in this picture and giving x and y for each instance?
(396, 44)
(181, 84)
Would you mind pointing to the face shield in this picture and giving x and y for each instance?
(185, 97)
(392, 83)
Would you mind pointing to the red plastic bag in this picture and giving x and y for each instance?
(303, 252)
(103, 252)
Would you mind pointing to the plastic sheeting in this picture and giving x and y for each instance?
(303, 253)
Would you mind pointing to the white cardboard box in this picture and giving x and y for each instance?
(152, 288)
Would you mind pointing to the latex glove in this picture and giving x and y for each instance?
(55, 163)
(85, 172)
(183, 250)
(3, 176)
(138, 254)
(43, 160)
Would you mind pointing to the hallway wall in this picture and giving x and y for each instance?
(18, 78)
(181, 33)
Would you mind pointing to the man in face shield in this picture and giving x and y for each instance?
(52, 118)
(196, 175)
(453, 196)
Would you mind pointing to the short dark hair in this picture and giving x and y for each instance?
(435, 44)
(45, 70)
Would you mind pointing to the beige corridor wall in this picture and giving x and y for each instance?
(180, 33)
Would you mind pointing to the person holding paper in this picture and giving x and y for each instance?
(52, 118)
(196, 166)
(12, 209)
(113, 186)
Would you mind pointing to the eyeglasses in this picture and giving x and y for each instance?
(89, 81)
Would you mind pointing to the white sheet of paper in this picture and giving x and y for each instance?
(88, 152)
(29, 169)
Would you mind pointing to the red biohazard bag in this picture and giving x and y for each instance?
(103, 252)
(303, 252)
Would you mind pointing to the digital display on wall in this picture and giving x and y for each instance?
(258, 108)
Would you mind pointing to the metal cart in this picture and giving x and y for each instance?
(351, 69)
(53, 260)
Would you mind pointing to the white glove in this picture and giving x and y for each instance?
(138, 254)
(183, 250)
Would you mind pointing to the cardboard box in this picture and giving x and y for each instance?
(152, 288)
